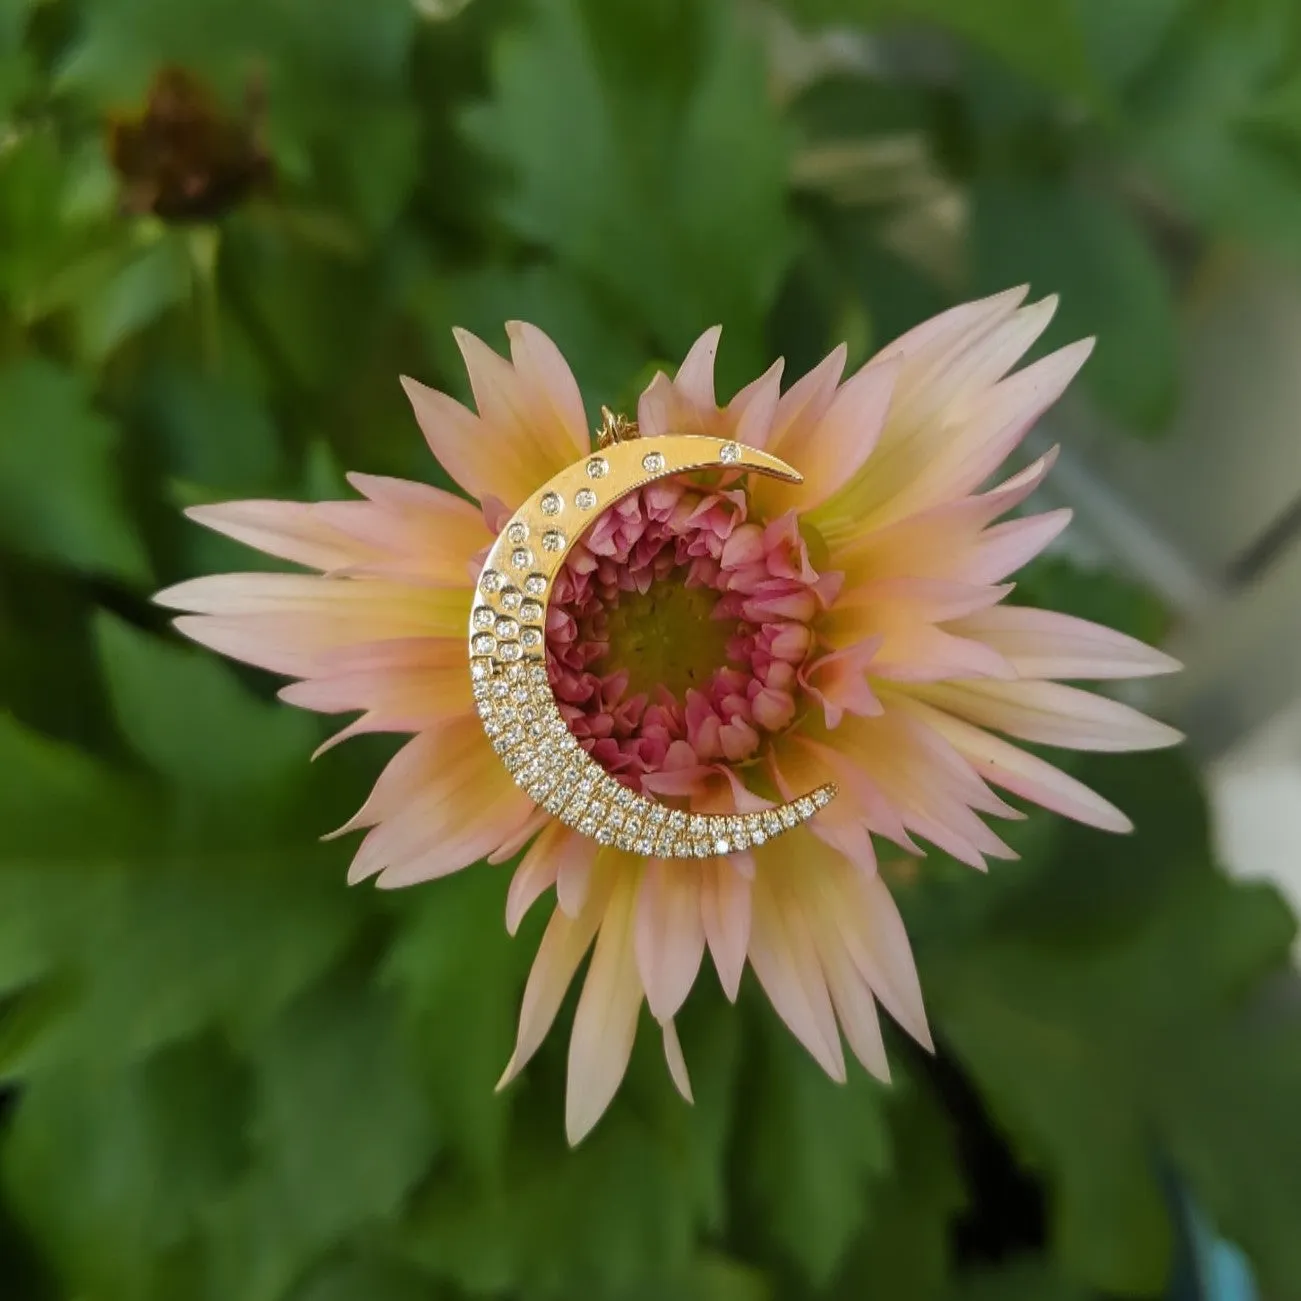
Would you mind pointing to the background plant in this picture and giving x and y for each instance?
(225, 229)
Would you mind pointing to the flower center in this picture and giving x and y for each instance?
(678, 628)
(666, 637)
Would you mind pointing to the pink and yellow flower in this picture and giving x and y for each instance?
(718, 647)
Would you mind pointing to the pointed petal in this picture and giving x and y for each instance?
(750, 413)
(695, 377)
(1050, 714)
(1005, 548)
(546, 376)
(677, 1062)
(725, 916)
(1044, 644)
(785, 960)
(838, 681)
(605, 1024)
(443, 802)
(1023, 774)
(669, 934)
(536, 873)
(576, 861)
(289, 530)
(564, 943)
(877, 943)
(855, 1007)
(289, 623)
(805, 403)
(407, 685)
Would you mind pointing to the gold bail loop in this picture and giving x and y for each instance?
(615, 429)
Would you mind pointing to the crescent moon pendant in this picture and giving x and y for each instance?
(508, 669)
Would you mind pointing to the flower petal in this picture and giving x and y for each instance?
(406, 685)
(805, 403)
(444, 802)
(290, 623)
(1044, 644)
(831, 451)
(527, 428)
(677, 1062)
(1051, 714)
(785, 959)
(605, 1024)
(563, 946)
(289, 530)
(1004, 765)
(545, 375)
(851, 996)
(862, 910)
(536, 873)
(838, 681)
(669, 934)
(725, 916)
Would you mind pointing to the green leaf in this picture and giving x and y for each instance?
(1229, 1099)
(363, 1279)
(1067, 1043)
(340, 1135)
(341, 1121)
(17, 72)
(1124, 36)
(150, 281)
(1024, 1280)
(1194, 121)
(187, 715)
(464, 1027)
(169, 949)
(146, 1149)
(1040, 38)
(215, 432)
(646, 155)
(905, 1249)
(816, 1146)
(560, 1220)
(1089, 250)
(58, 803)
(27, 1013)
(59, 493)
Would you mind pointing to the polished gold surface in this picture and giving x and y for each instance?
(507, 652)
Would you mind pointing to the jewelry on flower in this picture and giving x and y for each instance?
(508, 648)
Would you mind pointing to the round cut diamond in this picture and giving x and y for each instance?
(530, 612)
(721, 846)
(518, 532)
(653, 461)
(553, 540)
(598, 467)
(584, 499)
(521, 557)
(510, 598)
(483, 644)
(509, 650)
(489, 581)
(483, 618)
(535, 584)
(551, 503)
(729, 453)
(531, 638)
(507, 629)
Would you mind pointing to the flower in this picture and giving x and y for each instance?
(719, 646)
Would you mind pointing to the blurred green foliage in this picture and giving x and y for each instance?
(229, 1077)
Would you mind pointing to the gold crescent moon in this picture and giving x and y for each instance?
(508, 669)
